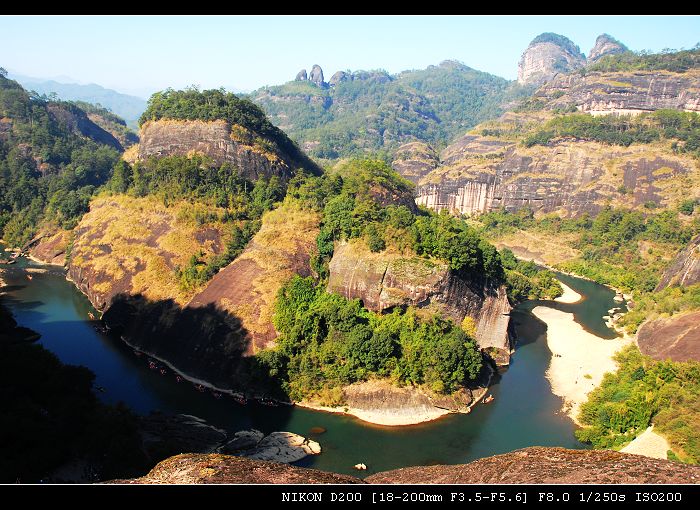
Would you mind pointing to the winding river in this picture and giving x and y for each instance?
(524, 413)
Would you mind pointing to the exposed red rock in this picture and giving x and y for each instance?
(534, 465)
(539, 465)
(676, 338)
(214, 468)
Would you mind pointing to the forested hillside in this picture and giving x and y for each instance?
(52, 159)
(369, 111)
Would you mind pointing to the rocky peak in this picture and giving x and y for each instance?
(606, 45)
(316, 75)
(338, 77)
(547, 55)
(301, 76)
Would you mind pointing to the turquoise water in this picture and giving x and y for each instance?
(524, 413)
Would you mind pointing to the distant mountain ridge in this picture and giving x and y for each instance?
(125, 106)
(368, 111)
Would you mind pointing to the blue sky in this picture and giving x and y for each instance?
(145, 53)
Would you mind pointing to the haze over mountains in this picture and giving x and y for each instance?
(128, 107)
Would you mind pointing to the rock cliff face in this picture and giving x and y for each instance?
(218, 140)
(384, 281)
(547, 55)
(676, 338)
(685, 268)
(605, 45)
(247, 287)
(535, 465)
(602, 93)
(480, 173)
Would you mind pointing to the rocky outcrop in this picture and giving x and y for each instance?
(605, 45)
(218, 140)
(415, 160)
(197, 468)
(301, 76)
(316, 75)
(629, 93)
(481, 173)
(685, 268)
(384, 280)
(534, 465)
(284, 447)
(338, 77)
(539, 465)
(676, 338)
(546, 56)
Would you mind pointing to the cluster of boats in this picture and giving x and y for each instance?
(238, 398)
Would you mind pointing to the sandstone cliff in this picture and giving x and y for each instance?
(220, 141)
(547, 55)
(387, 280)
(535, 465)
(685, 268)
(483, 173)
(601, 93)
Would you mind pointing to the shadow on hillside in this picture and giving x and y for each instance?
(204, 342)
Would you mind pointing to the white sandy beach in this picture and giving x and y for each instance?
(579, 358)
(569, 296)
(387, 417)
(649, 444)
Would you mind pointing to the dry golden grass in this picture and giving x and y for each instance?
(285, 231)
(146, 240)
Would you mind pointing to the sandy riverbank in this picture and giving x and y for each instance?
(649, 444)
(579, 358)
(387, 417)
(569, 296)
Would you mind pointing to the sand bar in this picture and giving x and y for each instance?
(579, 358)
(569, 296)
(386, 417)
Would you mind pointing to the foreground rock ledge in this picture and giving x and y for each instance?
(536, 465)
